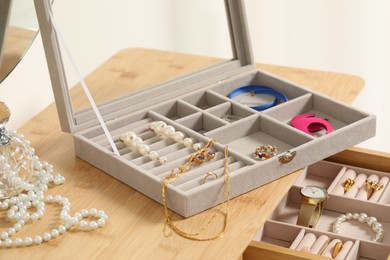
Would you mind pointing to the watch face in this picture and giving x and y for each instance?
(314, 192)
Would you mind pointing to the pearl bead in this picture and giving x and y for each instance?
(169, 131)
(153, 125)
(18, 241)
(376, 226)
(38, 240)
(144, 149)
(46, 236)
(163, 160)
(84, 212)
(355, 215)
(54, 233)
(11, 231)
(83, 224)
(153, 155)
(4, 235)
(4, 205)
(197, 146)
(188, 142)
(362, 217)
(371, 220)
(93, 225)
(178, 136)
(17, 227)
(101, 222)
(61, 229)
(78, 216)
(28, 241)
(159, 129)
(348, 215)
(93, 211)
(7, 242)
(137, 142)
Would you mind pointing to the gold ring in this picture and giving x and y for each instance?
(378, 186)
(372, 186)
(264, 152)
(212, 174)
(336, 249)
(348, 184)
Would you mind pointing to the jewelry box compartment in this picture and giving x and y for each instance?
(291, 241)
(200, 115)
(281, 229)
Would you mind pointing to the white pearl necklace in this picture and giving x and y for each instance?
(32, 195)
(362, 218)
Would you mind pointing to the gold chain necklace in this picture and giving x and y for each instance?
(175, 174)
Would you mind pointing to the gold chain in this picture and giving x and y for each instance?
(180, 171)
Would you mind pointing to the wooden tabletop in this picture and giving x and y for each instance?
(135, 227)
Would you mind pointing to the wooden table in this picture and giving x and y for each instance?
(134, 230)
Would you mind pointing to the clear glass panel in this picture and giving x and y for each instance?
(18, 28)
(129, 45)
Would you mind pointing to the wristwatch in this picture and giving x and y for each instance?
(312, 203)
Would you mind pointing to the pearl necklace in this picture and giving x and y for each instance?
(372, 222)
(31, 193)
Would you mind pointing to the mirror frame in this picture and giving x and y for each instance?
(72, 121)
(5, 9)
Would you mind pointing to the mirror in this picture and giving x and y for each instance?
(18, 28)
(135, 31)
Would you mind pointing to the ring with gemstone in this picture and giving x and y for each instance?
(264, 152)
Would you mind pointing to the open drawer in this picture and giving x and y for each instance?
(280, 237)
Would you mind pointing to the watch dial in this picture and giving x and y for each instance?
(314, 192)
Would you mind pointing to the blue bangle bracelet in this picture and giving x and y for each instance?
(262, 90)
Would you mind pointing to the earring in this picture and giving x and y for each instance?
(160, 128)
(130, 139)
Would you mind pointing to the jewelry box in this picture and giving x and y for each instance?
(195, 105)
(281, 235)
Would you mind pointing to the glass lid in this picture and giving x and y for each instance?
(131, 46)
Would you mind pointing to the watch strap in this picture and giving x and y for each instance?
(309, 214)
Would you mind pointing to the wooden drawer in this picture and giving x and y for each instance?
(280, 230)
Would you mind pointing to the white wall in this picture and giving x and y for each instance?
(348, 36)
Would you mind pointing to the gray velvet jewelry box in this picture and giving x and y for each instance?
(195, 104)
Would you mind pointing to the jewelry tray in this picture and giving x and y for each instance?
(281, 228)
(194, 105)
